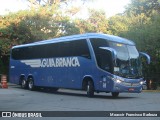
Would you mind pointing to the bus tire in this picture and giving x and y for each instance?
(31, 84)
(115, 94)
(90, 89)
(23, 84)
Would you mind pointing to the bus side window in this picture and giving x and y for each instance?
(104, 60)
(20, 53)
(80, 48)
(102, 56)
(61, 49)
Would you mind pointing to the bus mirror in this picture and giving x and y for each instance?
(112, 51)
(145, 55)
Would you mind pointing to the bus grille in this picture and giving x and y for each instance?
(131, 84)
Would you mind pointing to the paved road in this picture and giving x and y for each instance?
(17, 99)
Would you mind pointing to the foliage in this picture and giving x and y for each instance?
(31, 25)
(118, 24)
(138, 7)
(96, 22)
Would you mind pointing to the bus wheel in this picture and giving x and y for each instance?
(23, 84)
(90, 89)
(115, 94)
(31, 84)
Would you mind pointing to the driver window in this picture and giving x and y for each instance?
(103, 57)
(104, 60)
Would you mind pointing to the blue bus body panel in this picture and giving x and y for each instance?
(67, 77)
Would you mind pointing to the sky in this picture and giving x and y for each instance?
(11, 5)
(111, 7)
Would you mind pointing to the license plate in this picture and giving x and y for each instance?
(131, 89)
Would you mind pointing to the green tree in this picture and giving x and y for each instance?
(138, 7)
(118, 24)
(96, 22)
(32, 25)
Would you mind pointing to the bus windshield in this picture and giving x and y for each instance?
(128, 63)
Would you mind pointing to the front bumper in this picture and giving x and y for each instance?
(127, 87)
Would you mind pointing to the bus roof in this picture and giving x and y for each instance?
(80, 36)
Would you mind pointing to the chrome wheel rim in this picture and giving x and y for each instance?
(23, 83)
(30, 84)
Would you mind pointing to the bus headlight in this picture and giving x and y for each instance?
(141, 82)
(118, 79)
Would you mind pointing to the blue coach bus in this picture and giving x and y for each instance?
(93, 62)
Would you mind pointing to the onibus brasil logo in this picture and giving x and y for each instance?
(53, 62)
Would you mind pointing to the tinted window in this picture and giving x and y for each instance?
(96, 43)
(121, 49)
(103, 57)
(62, 49)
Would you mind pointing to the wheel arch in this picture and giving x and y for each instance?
(22, 76)
(30, 76)
(85, 81)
